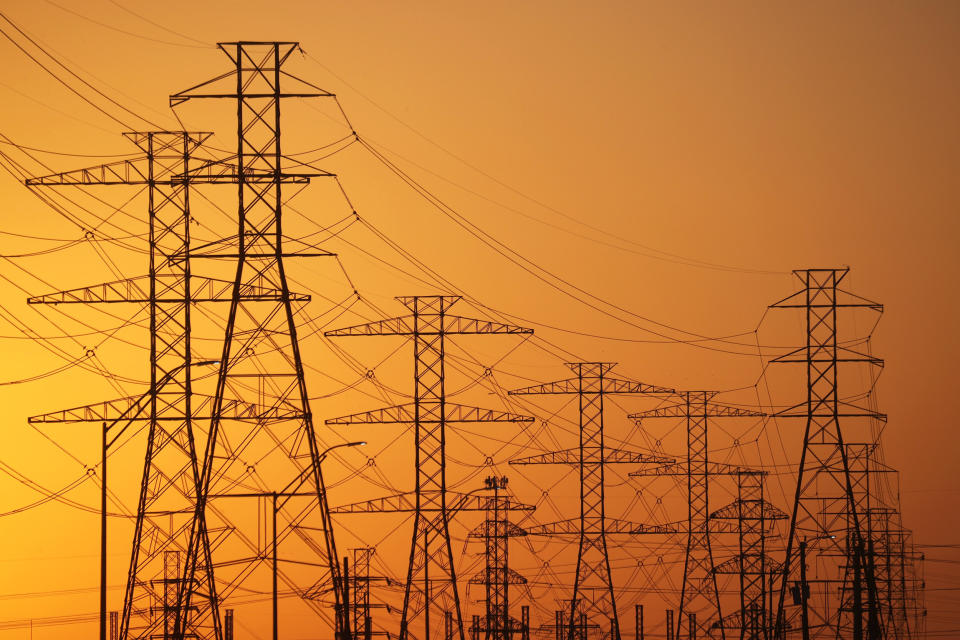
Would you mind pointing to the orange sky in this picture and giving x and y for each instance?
(748, 138)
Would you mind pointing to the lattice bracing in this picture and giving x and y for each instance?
(593, 587)
(826, 515)
(699, 592)
(431, 587)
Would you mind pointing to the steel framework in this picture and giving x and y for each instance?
(169, 478)
(826, 509)
(431, 575)
(753, 515)
(497, 576)
(699, 593)
(590, 385)
(261, 352)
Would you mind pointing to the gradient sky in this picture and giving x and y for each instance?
(676, 159)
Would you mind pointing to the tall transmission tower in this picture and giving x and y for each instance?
(170, 469)
(592, 587)
(431, 575)
(496, 575)
(699, 593)
(261, 352)
(826, 518)
(753, 515)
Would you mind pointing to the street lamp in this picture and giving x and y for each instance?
(804, 588)
(129, 414)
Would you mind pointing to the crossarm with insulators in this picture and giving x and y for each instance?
(572, 386)
(138, 290)
(406, 413)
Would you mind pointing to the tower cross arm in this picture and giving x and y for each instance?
(572, 527)
(429, 412)
(712, 410)
(749, 510)
(131, 171)
(610, 456)
(406, 503)
(498, 576)
(428, 324)
(589, 385)
(166, 290)
(248, 57)
(680, 469)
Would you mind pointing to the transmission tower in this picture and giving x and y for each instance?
(261, 353)
(360, 601)
(431, 576)
(497, 576)
(169, 478)
(826, 518)
(753, 515)
(592, 587)
(699, 593)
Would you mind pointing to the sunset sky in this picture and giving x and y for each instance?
(662, 166)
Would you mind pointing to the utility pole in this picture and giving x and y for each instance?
(590, 384)
(699, 590)
(431, 555)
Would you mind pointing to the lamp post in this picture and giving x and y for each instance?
(130, 414)
(290, 491)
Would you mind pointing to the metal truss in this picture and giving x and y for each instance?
(699, 593)
(260, 348)
(496, 575)
(753, 514)
(826, 511)
(431, 577)
(169, 481)
(590, 384)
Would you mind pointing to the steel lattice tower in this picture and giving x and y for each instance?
(170, 467)
(260, 350)
(360, 604)
(699, 593)
(591, 384)
(497, 576)
(753, 515)
(825, 510)
(431, 576)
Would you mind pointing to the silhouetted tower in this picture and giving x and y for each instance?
(431, 576)
(361, 602)
(169, 478)
(825, 513)
(753, 516)
(260, 351)
(592, 586)
(497, 576)
(699, 593)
